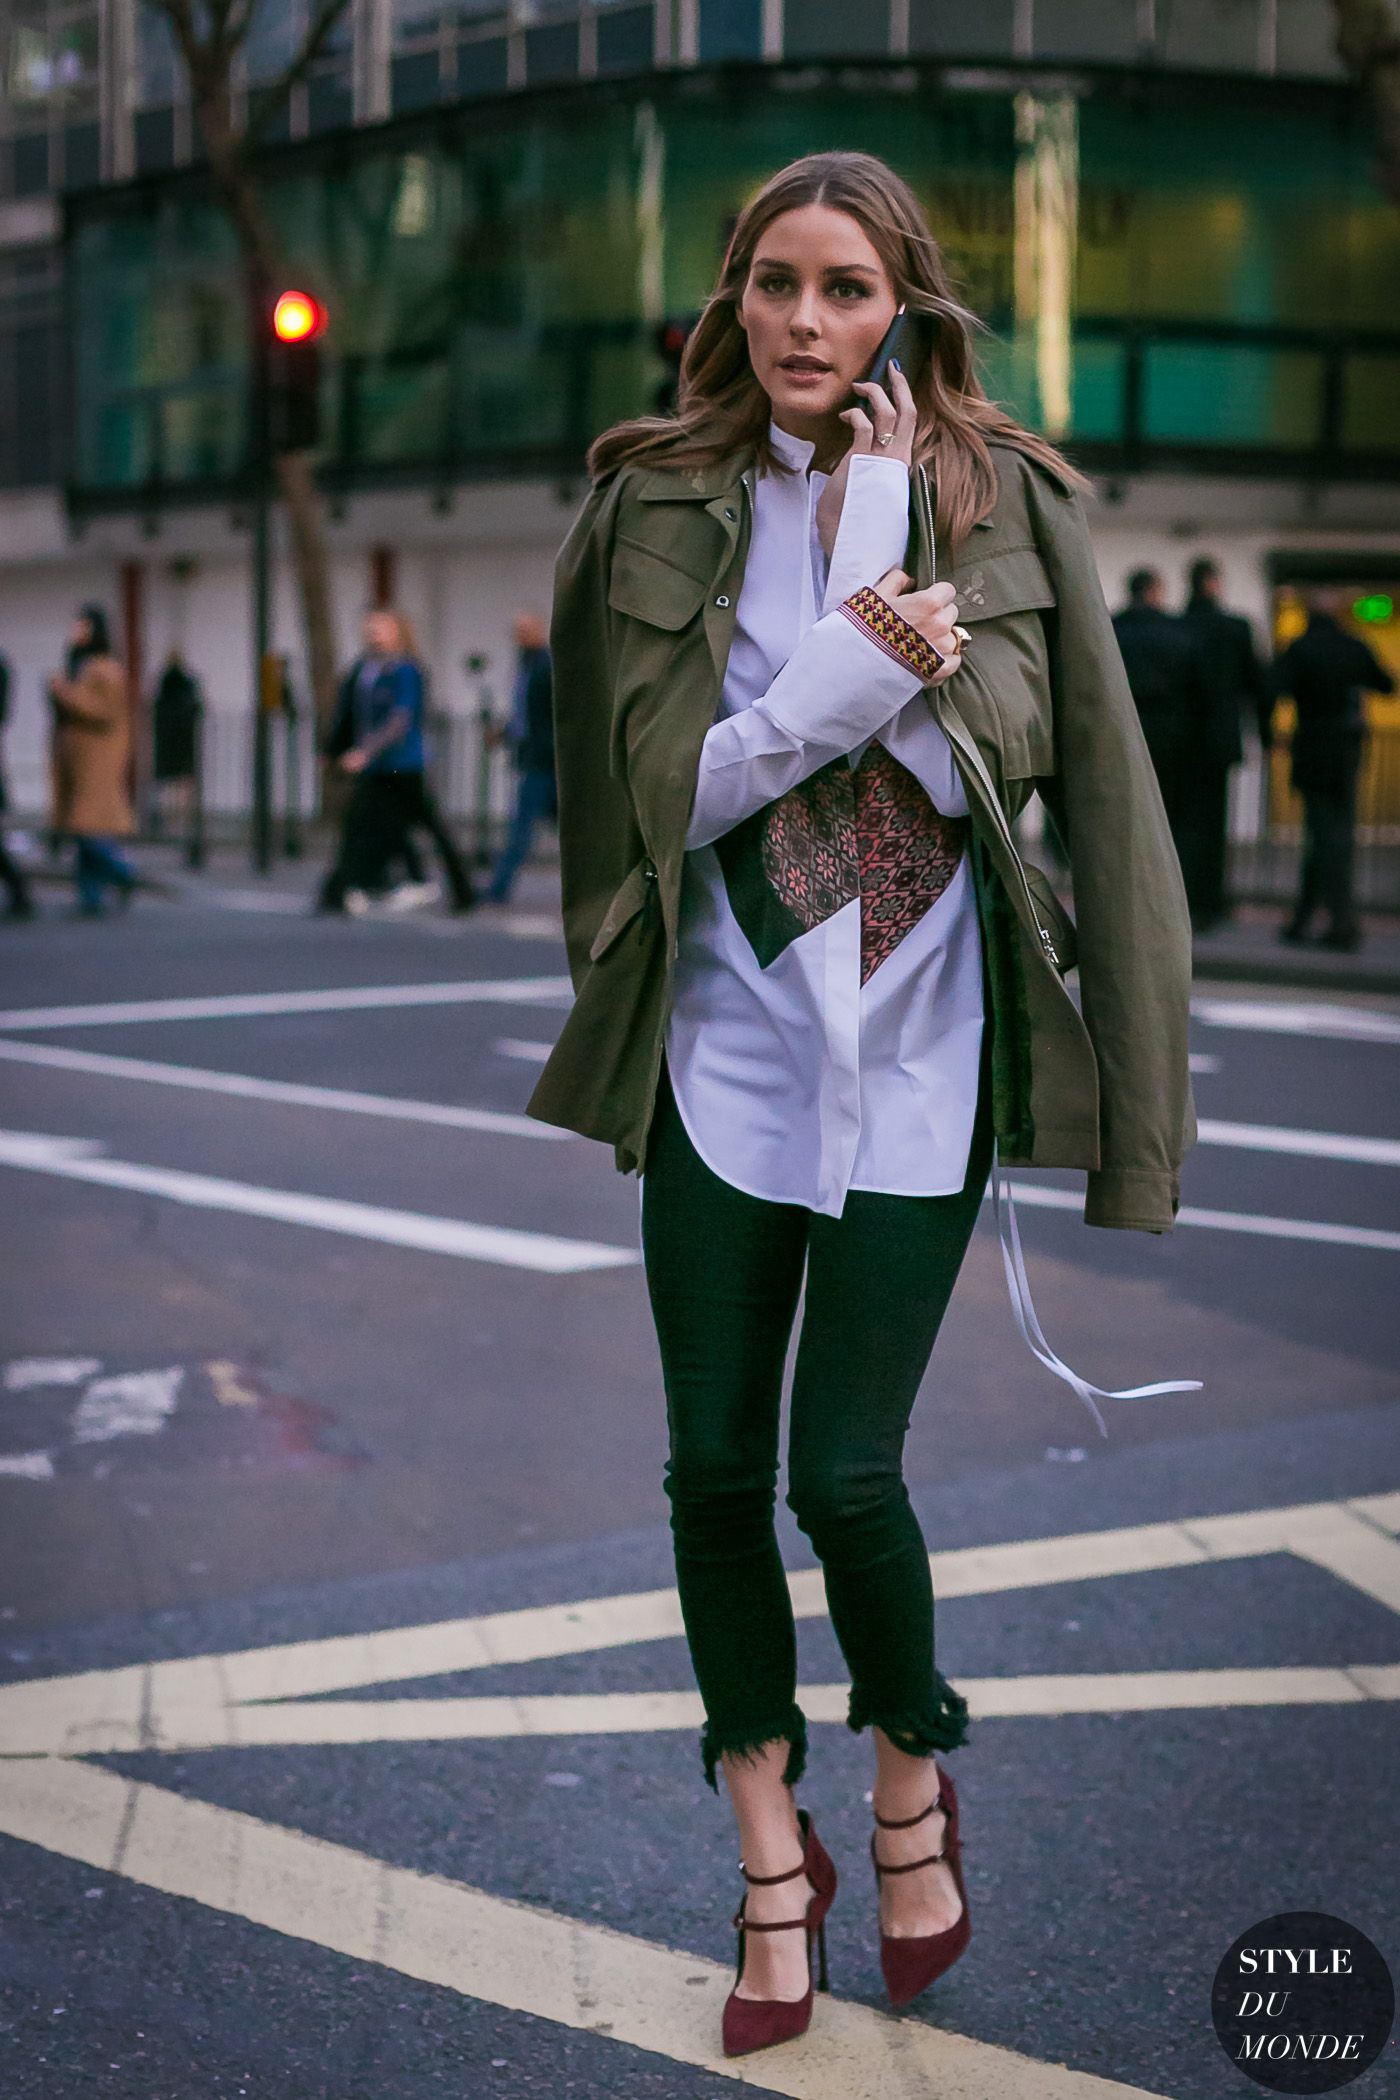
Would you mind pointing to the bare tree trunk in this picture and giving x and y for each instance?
(262, 262)
(1368, 44)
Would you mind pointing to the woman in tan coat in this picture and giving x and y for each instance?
(91, 750)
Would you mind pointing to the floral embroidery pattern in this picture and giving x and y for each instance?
(890, 631)
(871, 833)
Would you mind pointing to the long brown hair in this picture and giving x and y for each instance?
(722, 409)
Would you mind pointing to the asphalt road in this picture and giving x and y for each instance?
(358, 1401)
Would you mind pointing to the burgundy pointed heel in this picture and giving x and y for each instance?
(757, 2023)
(911, 1965)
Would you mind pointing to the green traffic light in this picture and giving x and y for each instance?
(1375, 607)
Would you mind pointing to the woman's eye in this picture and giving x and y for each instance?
(853, 287)
(774, 284)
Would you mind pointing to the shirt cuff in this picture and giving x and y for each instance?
(842, 688)
(873, 534)
(890, 631)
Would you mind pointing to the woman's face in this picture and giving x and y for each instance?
(381, 633)
(814, 307)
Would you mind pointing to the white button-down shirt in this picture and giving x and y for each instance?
(795, 1080)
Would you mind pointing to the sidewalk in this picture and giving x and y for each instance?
(1247, 951)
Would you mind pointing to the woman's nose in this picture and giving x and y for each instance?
(805, 317)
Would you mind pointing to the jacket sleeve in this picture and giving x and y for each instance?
(1134, 928)
(599, 838)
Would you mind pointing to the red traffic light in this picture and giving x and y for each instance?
(297, 317)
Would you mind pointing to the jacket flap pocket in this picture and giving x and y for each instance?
(1053, 917)
(627, 902)
(1013, 580)
(646, 586)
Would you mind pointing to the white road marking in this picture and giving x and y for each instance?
(1299, 1017)
(72, 1159)
(1258, 1137)
(503, 991)
(26, 1465)
(275, 901)
(140, 1703)
(1306, 1144)
(243, 1086)
(133, 1403)
(1199, 1062)
(497, 1951)
(1375, 1237)
(517, 1046)
(28, 1371)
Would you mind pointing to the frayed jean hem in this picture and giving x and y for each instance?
(743, 1745)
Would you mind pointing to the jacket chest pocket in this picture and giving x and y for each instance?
(647, 586)
(1001, 597)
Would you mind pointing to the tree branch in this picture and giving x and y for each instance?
(263, 106)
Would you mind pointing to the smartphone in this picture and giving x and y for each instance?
(906, 338)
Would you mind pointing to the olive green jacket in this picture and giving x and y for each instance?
(646, 588)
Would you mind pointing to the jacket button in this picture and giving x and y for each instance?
(649, 872)
(730, 515)
(721, 600)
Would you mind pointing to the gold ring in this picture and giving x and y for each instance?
(962, 636)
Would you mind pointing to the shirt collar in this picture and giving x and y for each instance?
(792, 451)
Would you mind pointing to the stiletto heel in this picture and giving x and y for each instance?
(911, 1965)
(757, 2023)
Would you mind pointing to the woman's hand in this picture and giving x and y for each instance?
(934, 611)
(354, 761)
(885, 425)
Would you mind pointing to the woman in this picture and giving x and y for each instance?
(815, 986)
(91, 753)
(378, 738)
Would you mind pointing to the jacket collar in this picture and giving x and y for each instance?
(696, 484)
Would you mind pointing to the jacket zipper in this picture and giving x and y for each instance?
(925, 510)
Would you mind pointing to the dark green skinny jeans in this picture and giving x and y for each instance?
(724, 1270)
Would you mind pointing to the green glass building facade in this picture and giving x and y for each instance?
(1174, 271)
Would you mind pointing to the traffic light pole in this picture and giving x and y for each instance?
(261, 838)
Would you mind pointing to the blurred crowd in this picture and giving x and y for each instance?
(377, 743)
(1196, 674)
(1196, 678)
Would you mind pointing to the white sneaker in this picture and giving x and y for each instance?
(357, 903)
(412, 896)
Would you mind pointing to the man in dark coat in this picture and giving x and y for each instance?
(1326, 671)
(1233, 679)
(1162, 660)
(531, 736)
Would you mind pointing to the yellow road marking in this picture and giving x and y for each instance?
(513, 1955)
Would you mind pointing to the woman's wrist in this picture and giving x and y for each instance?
(890, 631)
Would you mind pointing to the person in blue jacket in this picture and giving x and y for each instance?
(378, 737)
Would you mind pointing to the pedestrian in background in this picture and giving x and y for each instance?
(1162, 660)
(378, 737)
(530, 736)
(1233, 681)
(1326, 672)
(91, 753)
(177, 713)
(21, 904)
